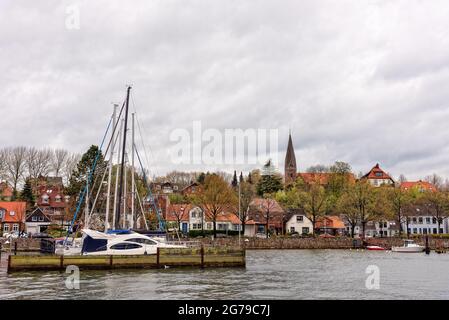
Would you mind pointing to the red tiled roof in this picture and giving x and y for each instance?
(178, 210)
(332, 222)
(377, 173)
(422, 185)
(321, 178)
(18, 208)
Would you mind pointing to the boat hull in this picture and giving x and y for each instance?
(375, 248)
(408, 249)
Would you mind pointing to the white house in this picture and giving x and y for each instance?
(37, 222)
(422, 221)
(298, 222)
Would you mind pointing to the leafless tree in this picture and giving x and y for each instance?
(69, 166)
(3, 159)
(38, 162)
(15, 166)
(59, 158)
(435, 179)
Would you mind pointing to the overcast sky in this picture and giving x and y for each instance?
(361, 81)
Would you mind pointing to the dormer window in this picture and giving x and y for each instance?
(12, 213)
(2, 213)
(58, 198)
(45, 199)
(175, 188)
(378, 174)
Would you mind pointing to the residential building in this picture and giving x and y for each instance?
(381, 229)
(378, 177)
(421, 219)
(298, 222)
(37, 222)
(257, 215)
(421, 186)
(332, 225)
(12, 216)
(191, 189)
(6, 191)
(50, 197)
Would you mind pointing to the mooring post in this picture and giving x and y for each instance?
(0, 250)
(15, 248)
(61, 262)
(427, 245)
(9, 263)
(202, 256)
(157, 257)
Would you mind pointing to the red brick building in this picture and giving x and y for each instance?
(12, 216)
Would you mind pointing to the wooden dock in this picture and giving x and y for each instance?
(165, 257)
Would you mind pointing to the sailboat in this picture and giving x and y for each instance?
(122, 238)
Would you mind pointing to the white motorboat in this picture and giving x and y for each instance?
(126, 243)
(409, 247)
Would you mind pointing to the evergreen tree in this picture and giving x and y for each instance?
(234, 180)
(27, 194)
(81, 173)
(241, 177)
(270, 182)
(201, 178)
(250, 181)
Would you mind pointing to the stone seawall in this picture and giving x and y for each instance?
(23, 244)
(320, 243)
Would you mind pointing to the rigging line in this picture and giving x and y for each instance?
(141, 138)
(139, 198)
(156, 209)
(92, 169)
(83, 193)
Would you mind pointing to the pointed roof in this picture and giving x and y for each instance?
(290, 158)
(377, 173)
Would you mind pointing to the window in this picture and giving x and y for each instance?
(15, 227)
(434, 231)
(41, 218)
(415, 230)
(378, 174)
(125, 246)
(427, 220)
(434, 220)
(414, 219)
(2, 213)
(58, 199)
(196, 226)
(44, 199)
(305, 230)
(420, 220)
(34, 218)
(175, 187)
(6, 228)
(292, 229)
(143, 241)
(299, 218)
(12, 213)
(441, 230)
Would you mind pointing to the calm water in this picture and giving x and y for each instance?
(288, 274)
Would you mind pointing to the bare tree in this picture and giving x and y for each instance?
(3, 160)
(435, 179)
(38, 162)
(69, 166)
(58, 160)
(268, 204)
(15, 166)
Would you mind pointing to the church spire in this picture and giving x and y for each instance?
(290, 162)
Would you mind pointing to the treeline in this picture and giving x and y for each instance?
(20, 163)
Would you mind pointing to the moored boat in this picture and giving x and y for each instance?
(409, 247)
(375, 248)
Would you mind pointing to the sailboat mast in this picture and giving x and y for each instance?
(133, 186)
(114, 211)
(111, 158)
(117, 217)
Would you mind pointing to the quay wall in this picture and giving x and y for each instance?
(319, 243)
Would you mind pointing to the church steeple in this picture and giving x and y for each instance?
(290, 162)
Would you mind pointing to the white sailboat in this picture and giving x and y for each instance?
(116, 241)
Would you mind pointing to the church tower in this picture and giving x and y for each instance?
(290, 163)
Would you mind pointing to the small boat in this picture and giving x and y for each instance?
(375, 248)
(123, 243)
(409, 247)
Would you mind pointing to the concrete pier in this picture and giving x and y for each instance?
(188, 257)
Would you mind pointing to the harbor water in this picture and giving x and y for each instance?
(269, 274)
